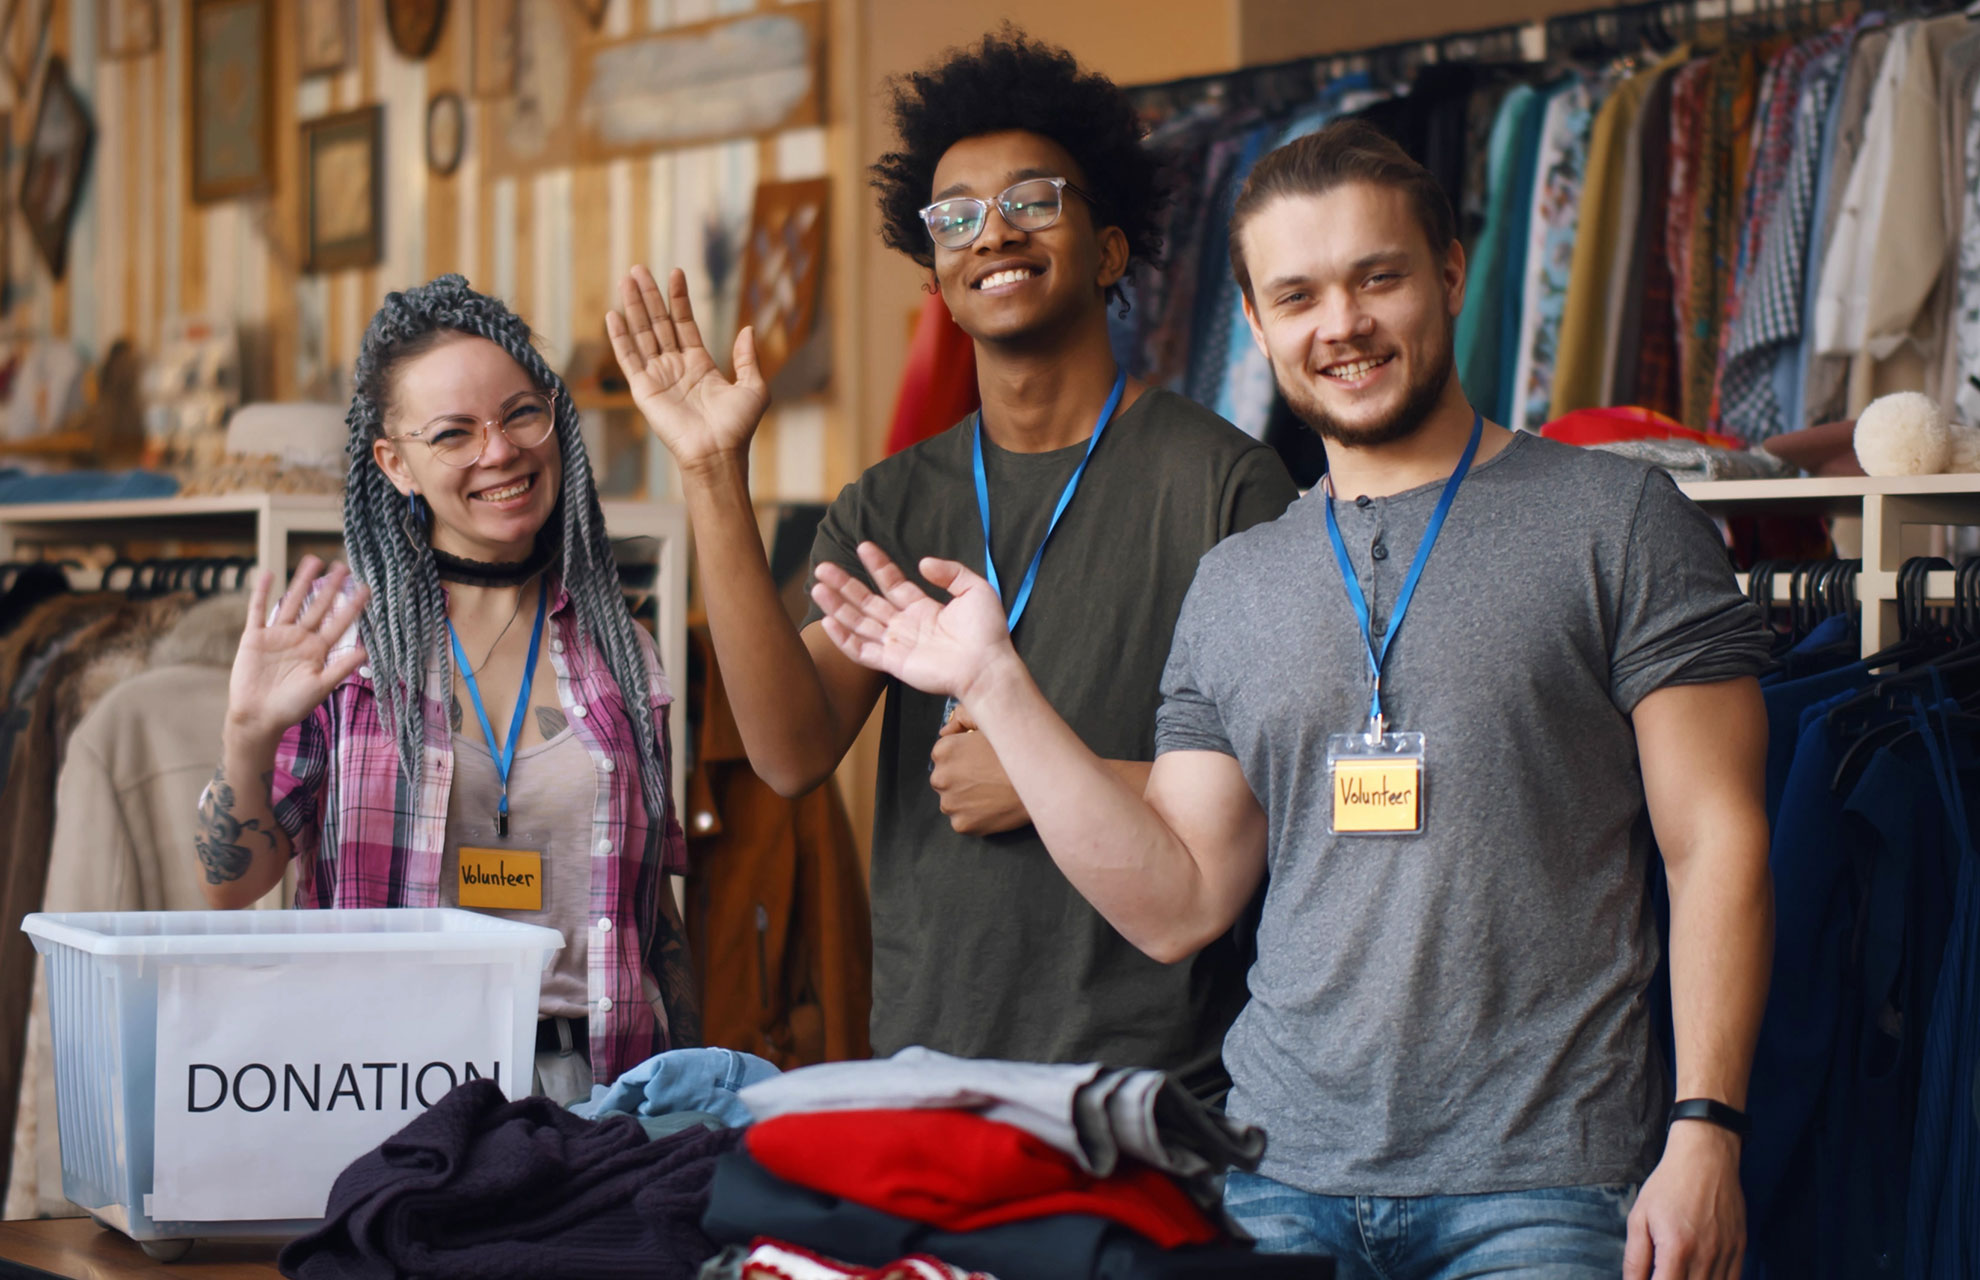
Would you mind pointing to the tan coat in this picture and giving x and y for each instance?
(126, 802)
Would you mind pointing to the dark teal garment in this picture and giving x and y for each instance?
(1480, 329)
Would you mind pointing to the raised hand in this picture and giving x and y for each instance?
(901, 631)
(284, 670)
(698, 414)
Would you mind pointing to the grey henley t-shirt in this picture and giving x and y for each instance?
(1462, 1010)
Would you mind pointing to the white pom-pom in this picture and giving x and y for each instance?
(1903, 434)
(1965, 448)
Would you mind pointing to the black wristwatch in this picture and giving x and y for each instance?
(1711, 1111)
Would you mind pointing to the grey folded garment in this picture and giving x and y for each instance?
(1094, 1114)
(726, 1265)
(1688, 461)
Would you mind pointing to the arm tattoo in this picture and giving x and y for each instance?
(674, 970)
(551, 721)
(221, 834)
(454, 713)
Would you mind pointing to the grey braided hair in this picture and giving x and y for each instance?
(406, 621)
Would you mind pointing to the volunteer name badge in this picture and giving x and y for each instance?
(1377, 783)
(501, 879)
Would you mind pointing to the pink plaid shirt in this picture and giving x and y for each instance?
(338, 788)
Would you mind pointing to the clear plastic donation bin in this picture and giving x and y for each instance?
(216, 1070)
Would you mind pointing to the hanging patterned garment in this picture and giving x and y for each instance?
(1212, 315)
(1769, 311)
(1688, 160)
(1957, 70)
(1965, 342)
(1643, 364)
(1731, 84)
(1563, 162)
(1816, 384)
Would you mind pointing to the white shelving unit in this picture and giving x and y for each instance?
(1900, 518)
(270, 521)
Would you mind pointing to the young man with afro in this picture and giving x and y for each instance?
(1021, 187)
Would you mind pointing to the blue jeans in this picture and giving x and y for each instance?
(1562, 1233)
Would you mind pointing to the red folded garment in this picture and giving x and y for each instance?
(961, 1172)
(1613, 426)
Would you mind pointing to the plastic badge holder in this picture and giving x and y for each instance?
(103, 999)
(1376, 784)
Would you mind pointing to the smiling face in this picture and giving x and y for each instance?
(1354, 309)
(1014, 286)
(494, 509)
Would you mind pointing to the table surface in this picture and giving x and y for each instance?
(79, 1249)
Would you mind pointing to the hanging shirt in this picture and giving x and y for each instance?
(1818, 380)
(1964, 342)
(1550, 246)
(1769, 315)
(1480, 333)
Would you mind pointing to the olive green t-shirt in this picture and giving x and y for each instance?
(981, 948)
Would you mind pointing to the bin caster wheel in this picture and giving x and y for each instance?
(165, 1250)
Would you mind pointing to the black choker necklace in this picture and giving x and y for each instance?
(482, 573)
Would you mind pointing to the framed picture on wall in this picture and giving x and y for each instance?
(446, 132)
(343, 201)
(233, 97)
(415, 25)
(492, 69)
(129, 27)
(57, 157)
(324, 29)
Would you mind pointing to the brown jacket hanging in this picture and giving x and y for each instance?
(777, 908)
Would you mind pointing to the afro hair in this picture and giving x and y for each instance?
(1010, 81)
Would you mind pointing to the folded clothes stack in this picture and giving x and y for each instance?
(1010, 1169)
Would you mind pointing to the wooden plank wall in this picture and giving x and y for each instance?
(553, 244)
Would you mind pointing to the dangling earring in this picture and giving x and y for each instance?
(413, 523)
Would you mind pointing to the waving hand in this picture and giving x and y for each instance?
(284, 666)
(697, 413)
(937, 648)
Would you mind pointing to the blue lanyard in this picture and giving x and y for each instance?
(506, 757)
(983, 505)
(1376, 657)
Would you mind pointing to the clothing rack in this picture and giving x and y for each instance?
(1899, 515)
(269, 522)
(1608, 30)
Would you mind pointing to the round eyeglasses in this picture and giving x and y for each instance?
(1031, 205)
(527, 419)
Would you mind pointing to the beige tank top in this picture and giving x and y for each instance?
(551, 790)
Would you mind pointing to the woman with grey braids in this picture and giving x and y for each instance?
(472, 519)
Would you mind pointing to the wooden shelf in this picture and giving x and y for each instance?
(1886, 505)
(1823, 487)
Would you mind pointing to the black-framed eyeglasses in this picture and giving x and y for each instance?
(527, 419)
(1031, 205)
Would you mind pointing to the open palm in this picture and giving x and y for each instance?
(902, 631)
(697, 413)
(284, 669)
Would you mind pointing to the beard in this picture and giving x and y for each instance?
(1420, 399)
